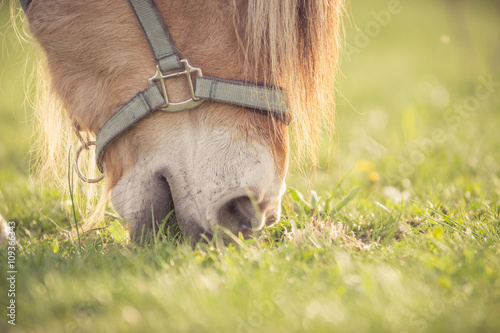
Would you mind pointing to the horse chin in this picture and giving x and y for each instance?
(143, 202)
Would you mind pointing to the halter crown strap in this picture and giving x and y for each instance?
(25, 4)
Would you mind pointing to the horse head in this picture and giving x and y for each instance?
(216, 164)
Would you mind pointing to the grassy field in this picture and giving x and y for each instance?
(398, 230)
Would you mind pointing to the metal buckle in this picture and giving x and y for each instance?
(180, 106)
(85, 146)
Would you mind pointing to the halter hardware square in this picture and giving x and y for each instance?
(180, 106)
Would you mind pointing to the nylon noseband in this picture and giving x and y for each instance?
(258, 97)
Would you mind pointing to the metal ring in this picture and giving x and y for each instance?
(85, 146)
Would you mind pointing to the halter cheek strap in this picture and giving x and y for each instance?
(157, 34)
(261, 98)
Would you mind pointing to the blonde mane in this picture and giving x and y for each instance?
(294, 43)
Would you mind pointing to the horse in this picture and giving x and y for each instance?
(216, 164)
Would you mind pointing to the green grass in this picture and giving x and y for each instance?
(408, 242)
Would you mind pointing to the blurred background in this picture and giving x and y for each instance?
(411, 115)
(417, 104)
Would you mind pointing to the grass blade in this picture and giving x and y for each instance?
(71, 195)
(348, 198)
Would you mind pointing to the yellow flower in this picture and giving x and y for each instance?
(365, 166)
(374, 176)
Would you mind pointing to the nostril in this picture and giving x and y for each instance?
(240, 215)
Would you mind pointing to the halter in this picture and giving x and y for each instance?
(258, 97)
